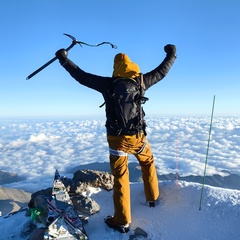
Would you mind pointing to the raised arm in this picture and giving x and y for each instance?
(161, 71)
(95, 82)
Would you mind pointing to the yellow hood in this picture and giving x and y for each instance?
(124, 67)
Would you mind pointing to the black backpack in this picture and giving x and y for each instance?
(125, 115)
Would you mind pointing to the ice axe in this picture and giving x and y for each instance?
(74, 42)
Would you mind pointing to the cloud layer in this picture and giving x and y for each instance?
(35, 148)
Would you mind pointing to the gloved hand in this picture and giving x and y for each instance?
(170, 49)
(61, 55)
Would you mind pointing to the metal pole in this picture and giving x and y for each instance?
(205, 169)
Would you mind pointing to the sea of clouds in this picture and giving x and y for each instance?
(34, 148)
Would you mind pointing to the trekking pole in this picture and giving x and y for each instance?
(205, 168)
(74, 42)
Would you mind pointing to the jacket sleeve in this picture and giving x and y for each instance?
(159, 72)
(95, 82)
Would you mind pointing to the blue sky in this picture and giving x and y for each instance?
(206, 34)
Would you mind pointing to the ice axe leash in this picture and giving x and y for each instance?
(74, 42)
(205, 169)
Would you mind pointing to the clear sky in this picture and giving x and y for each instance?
(205, 32)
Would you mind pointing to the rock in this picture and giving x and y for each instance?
(82, 179)
(85, 205)
(37, 234)
(37, 201)
(68, 183)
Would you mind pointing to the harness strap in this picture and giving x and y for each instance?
(142, 148)
(117, 152)
(122, 153)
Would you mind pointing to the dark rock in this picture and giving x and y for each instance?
(82, 179)
(37, 234)
(85, 205)
(37, 201)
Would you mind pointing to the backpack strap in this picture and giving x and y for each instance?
(142, 90)
(116, 80)
(143, 99)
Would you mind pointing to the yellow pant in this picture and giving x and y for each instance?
(120, 147)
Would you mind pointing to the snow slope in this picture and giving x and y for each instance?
(176, 217)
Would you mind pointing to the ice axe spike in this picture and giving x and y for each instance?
(74, 42)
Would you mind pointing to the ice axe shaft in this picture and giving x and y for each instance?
(49, 62)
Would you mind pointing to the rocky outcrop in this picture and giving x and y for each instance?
(81, 181)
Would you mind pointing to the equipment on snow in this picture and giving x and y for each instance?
(34, 213)
(74, 42)
(68, 217)
(62, 220)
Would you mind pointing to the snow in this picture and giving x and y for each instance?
(176, 216)
(35, 148)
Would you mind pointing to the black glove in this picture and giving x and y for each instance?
(61, 55)
(170, 49)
